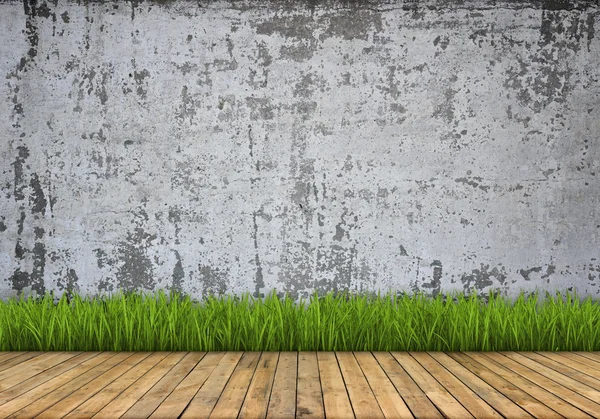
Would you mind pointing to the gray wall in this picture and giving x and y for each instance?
(249, 146)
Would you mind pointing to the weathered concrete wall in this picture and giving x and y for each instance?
(244, 147)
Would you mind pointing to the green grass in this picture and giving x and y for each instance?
(135, 322)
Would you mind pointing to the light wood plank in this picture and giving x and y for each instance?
(463, 394)
(590, 363)
(5, 356)
(590, 356)
(567, 368)
(43, 403)
(310, 395)
(120, 405)
(390, 402)
(179, 398)
(594, 356)
(440, 397)
(83, 393)
(150, 401)
(19, 359)
(63, 375)
(206, 398)
(537, 377)
(540, 393)
(505, 387)
(99, 400)
(335, 397)
(229, 404)
(257, 399)
(18, 373)
(282, 403)
(362, 399)
(39, 379)
(457, 364)
(416, 400)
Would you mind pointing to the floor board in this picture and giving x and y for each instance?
(280, 385)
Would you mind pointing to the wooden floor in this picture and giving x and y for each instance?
(300, 384)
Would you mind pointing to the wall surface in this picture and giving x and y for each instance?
(234, 147)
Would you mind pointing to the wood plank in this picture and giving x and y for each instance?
(568, 368)
(467, 372)
(45, 387)
(594, 356)
(335, 397)
(390, 402)
(43, 403)
(19, 359)
(94, 404)
(257, 399)
(19, 373)
(540, 393)
(440, 397)
(578, 356)
(161, 390)
(83, 393)
(309, 401)
(129, 397)
(361, 395)
(179, 398)
(574, 398)
(39, 379)
(206, 398)
(229, 404)
(540, 365)
(416, 400)
(463, 394)
(282, 403)
(5, 356)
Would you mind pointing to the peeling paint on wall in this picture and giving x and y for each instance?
(430, 146)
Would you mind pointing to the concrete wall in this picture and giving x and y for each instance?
(238, 147)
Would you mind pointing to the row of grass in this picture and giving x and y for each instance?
(135, 322)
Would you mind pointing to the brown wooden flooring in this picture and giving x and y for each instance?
(300, 385)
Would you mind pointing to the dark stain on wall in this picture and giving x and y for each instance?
(69, 283)
(38, 201)
(214, 280)
(178, 275)
(136, 269)
(18, 168)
